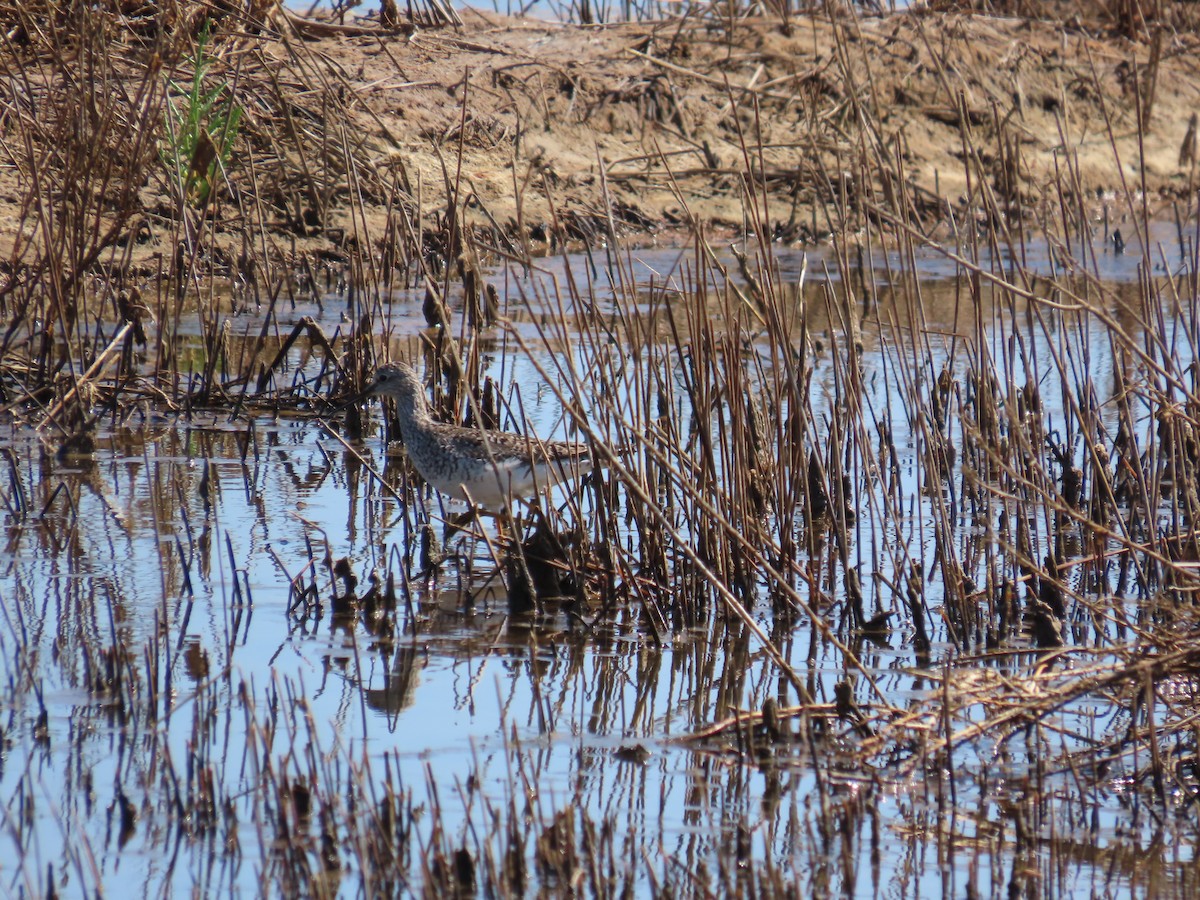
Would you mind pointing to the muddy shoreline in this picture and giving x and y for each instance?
(354, 140)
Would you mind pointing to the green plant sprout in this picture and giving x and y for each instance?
(200, 139)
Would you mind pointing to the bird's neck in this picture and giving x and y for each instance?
(415, 408)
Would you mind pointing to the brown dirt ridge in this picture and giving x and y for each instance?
(544, 131)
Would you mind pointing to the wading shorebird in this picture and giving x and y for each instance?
(487, 468)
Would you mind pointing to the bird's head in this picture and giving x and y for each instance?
(397, 380)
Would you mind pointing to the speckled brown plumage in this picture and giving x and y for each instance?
(490, 468)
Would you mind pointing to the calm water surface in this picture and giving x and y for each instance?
(195, 530)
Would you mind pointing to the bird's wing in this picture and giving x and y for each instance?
(503, 445)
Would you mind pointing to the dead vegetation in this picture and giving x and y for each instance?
(881, 561)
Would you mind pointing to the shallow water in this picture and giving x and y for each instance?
(181, 542)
